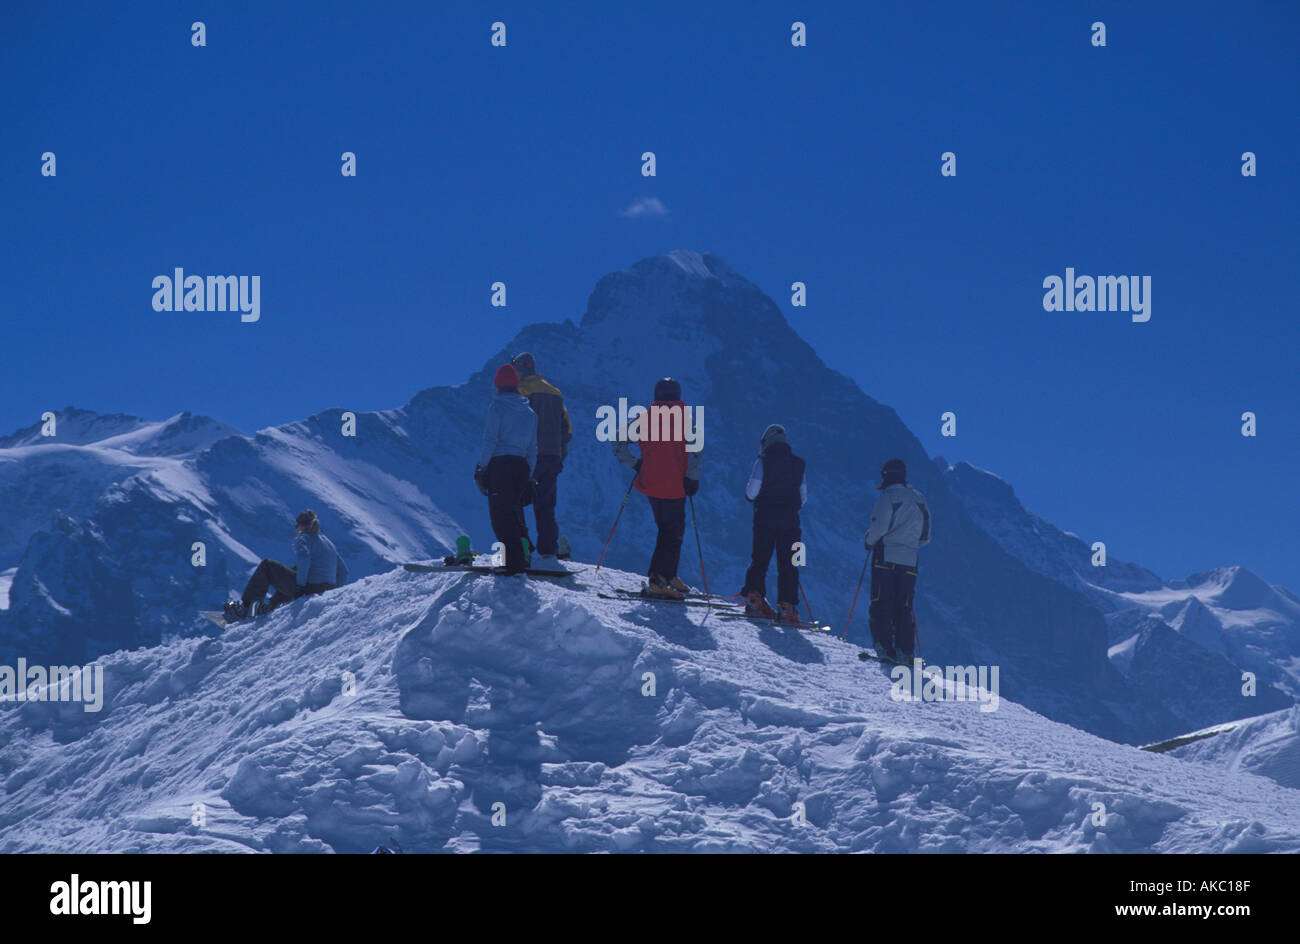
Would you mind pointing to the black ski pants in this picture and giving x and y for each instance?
(507, 479)
(774, 533)
(544, 493)
(670, 518)
(271, 573)
(892, 620)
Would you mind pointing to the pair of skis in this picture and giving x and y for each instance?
(722, 608)
(483, 569)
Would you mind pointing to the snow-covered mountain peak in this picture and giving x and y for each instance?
(679, 289)
(1236, 588)
(1198, 623)
(74, 427)
(694, 263)
(184, 434)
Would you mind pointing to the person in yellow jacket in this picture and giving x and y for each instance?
(553, 434)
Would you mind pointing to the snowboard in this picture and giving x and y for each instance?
(480, 569)
(215, 616)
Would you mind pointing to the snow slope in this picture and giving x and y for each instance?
(1268, 746)
(473, 692)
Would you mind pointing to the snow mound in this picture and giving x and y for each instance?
(453, 712)
(1268, 745)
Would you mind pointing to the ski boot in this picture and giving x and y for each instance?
(463, 553)
(676, 584)
(550, 564)
(786, 613)
(236, 610)
(657, 586)
(756, 605)
(563, 552)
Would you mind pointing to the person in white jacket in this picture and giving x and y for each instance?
(506, 464)
(900, 525)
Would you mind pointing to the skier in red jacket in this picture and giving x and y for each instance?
(666, 473)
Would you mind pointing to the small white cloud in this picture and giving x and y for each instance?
(645, 208)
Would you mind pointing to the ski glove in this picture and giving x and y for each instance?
(480, 479)
(690, 486)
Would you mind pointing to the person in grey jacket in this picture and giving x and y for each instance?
(506, 461)
(900, 525)
(319, 568)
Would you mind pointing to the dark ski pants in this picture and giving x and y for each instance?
(284, 579)
(670, 517)
(775, 534)
(507, 478)
(893, 623)
(545, 475)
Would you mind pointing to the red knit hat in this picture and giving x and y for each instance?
(506, 376)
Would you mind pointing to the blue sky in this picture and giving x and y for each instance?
(818, 164)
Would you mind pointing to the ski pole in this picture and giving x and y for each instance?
(611, 530)
(807, 605)
(699, 550)
(845, 637)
